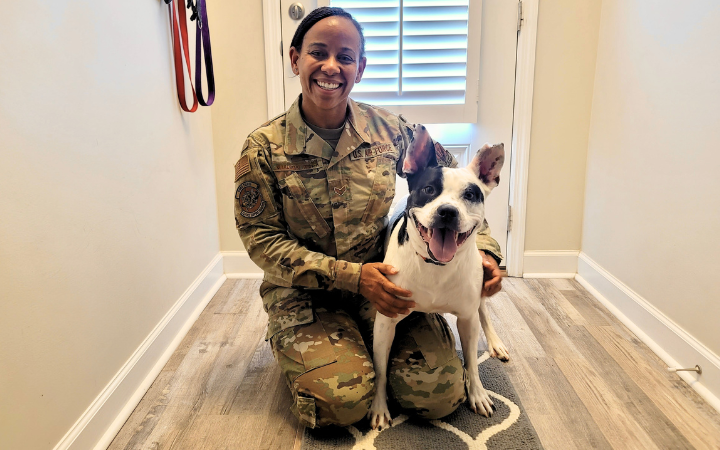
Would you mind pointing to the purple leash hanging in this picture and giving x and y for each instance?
(202, 45)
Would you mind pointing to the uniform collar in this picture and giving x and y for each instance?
(300, 139)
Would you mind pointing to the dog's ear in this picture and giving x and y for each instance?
(487, 164)
(420, 154)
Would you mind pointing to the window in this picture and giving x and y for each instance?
(422, 55)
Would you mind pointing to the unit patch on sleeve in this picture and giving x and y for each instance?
(373, 151)
(250, 198)
(242, 167)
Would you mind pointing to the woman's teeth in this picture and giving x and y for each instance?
(328, 86)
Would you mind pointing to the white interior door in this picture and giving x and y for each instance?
(495, 99)
(289, 25)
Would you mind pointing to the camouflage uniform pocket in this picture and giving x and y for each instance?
(286, 307)
(299, 199)
(304, 410)
(434, 339)
(302, 348)
(383, 190)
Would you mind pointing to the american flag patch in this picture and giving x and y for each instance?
(242, 167)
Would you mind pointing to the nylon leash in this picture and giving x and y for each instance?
(203, 35)
(179, 31)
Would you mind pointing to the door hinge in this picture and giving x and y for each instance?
(281, 46)
(510, 218)
(520, 16)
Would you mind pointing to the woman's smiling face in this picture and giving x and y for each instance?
(329, 64)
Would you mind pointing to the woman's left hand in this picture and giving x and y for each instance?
(491, 275)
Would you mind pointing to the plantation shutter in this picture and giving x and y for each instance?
(418, 60)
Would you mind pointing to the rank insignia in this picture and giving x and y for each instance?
(250, 198)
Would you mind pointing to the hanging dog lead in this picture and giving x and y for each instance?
(180, 39)
(202, 45)
(203, 29)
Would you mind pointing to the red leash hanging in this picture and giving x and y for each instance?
(180, 46)
(179, 31)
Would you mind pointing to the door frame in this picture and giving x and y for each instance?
(522, 113)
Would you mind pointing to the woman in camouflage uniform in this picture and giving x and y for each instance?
(313, 190)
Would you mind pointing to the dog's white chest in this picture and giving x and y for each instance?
(437, 291)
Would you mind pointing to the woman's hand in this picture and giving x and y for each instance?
(381, 292)
(492, 275)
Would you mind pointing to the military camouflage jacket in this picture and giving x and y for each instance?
(309, 216)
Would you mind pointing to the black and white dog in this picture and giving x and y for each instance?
(433, 246)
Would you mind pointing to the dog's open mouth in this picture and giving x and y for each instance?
(442, 243)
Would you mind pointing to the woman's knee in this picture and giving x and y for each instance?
(426, 376)
(328, 369)
(429, 393)
(338, 395)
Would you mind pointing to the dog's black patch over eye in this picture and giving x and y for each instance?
(425, 187)
(420, 195)
(473, 194)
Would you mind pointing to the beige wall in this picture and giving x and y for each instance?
(652, 208)
(564, 73)
(241, 105)
(107, 212)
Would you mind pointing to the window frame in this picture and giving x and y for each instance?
(458, 113)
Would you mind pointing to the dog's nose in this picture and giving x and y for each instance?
(448, 213)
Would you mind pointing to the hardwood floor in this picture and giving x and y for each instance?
(584, 379)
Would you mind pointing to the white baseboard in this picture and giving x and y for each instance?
(675, 346)
(99, 424)
(569, 275)
(537, 264)
(550, 264)
(239, 265)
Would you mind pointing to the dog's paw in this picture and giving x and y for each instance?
(480, 401)
(379, 419)
(379, 414)
(498, 350)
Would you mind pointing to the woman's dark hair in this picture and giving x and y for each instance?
(319, 14)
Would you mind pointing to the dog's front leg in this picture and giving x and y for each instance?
(495, 346)
(469, 331)
(383, 335)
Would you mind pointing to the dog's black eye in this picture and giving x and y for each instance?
(469, 196)
(429, 190)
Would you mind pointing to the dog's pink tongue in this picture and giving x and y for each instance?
(443, 245)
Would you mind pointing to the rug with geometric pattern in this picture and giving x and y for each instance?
(507, 429)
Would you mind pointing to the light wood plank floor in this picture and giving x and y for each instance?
(585, 380)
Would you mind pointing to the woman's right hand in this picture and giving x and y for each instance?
(381, 292)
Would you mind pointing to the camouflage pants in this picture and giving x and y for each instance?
(323, 344)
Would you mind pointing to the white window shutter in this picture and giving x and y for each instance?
(422, 57)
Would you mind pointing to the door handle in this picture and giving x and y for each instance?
(296, 11)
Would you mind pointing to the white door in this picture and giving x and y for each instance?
(289, 25)
(495, 99)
